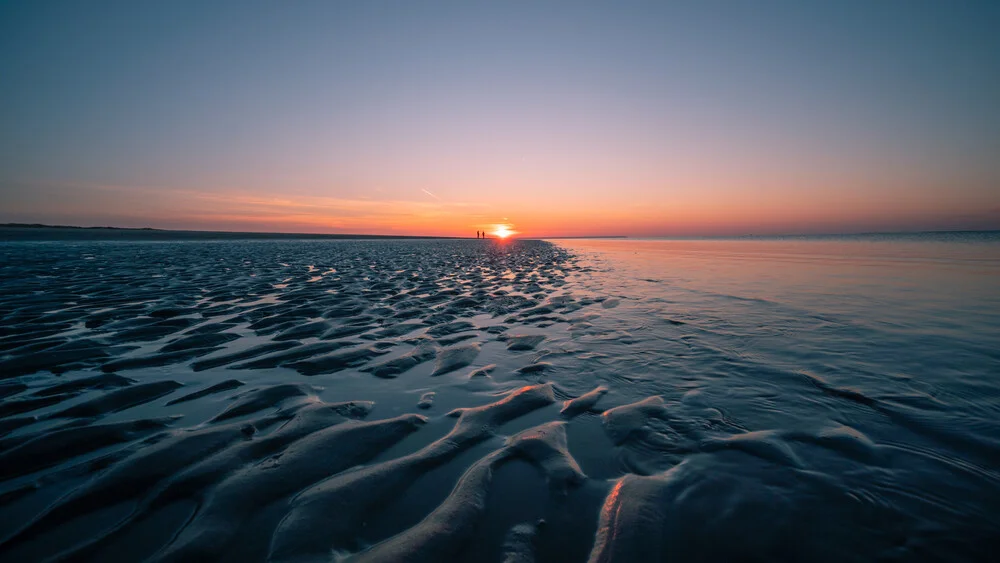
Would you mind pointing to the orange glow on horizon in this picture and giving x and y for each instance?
(703, 210)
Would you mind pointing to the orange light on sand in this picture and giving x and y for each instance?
(502, 231)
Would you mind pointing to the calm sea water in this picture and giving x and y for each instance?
(894, 338)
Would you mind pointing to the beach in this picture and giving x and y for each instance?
(784, 399)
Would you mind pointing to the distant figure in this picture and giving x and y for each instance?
(477, 234)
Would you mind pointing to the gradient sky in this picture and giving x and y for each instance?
(574, 118)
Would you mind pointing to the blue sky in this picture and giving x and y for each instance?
(558, 118)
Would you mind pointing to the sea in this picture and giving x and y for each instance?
(813, 398)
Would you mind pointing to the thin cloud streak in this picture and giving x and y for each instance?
(174, 207)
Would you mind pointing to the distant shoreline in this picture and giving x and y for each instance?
(39, 231)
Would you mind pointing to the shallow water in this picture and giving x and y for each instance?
(758, 400)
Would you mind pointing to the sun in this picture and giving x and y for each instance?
(502, 231)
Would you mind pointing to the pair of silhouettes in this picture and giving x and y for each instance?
(483, 234)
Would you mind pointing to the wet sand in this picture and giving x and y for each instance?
(443, 401)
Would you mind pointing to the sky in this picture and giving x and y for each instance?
(552, 118)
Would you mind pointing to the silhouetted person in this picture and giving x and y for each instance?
(477, 234)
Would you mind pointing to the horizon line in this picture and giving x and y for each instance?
(27, 226)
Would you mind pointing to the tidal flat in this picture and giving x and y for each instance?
(481, 400)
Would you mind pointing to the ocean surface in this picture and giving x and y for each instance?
(794, 399)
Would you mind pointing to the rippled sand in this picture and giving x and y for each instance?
(476, 401)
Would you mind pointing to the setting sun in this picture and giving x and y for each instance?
(502, 231)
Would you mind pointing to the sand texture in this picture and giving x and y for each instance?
(434, 401)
